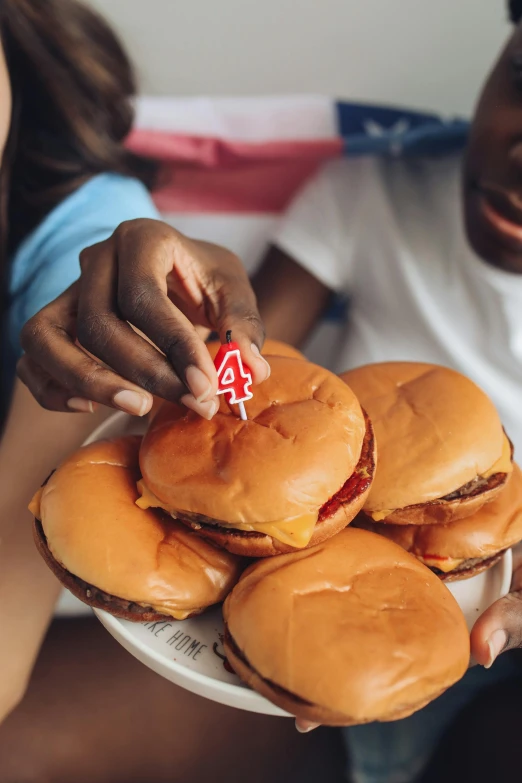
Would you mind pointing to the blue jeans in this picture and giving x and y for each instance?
(398, 752)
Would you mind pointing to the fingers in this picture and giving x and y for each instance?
(497, 630)
(236, 311)
(103, 333)
(304, 726)
(247, 332)
(231, 306)
(258, 364)
(61, 376)
(168, 283)
(48, 393)
(145, 261)
(500, 627)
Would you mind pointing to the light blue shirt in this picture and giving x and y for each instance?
(47, 261)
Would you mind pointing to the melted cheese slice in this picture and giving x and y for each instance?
(177, 614)
(147, 498)
(445, 564)
(503, 465)
(296, 531)
(378, 516)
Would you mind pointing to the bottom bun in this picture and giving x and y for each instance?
(351, 631)
(314, 713)
(461, 504)
(334, 516)
(91, 595)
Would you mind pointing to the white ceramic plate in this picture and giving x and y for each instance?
(189, 653)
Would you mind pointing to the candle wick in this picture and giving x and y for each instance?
(229, 336)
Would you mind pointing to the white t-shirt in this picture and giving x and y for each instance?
(389, 234)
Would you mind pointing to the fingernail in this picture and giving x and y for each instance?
(80, 404)
(198, 383)
(132, 402)
(496, 643)
(303, 729)
(205, 409)
(256, 352)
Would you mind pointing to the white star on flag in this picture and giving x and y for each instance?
(375, 130)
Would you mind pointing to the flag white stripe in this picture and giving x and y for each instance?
(278, 118)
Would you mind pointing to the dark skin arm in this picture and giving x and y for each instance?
(290, 300)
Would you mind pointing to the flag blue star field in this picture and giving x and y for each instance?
(377, 130)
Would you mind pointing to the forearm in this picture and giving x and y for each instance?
(290, 300)
(28, 593)
(33, 444)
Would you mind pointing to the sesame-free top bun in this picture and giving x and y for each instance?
(442, 450)
(139, 565)
(270, 348)
(351, 631)
(467, 546)
(292, 475)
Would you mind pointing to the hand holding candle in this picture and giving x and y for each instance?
(174, 291)
(234, 377)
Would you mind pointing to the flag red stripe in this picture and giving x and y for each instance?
(214, 175)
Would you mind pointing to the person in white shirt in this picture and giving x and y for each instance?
(388, 234)
(423, 284)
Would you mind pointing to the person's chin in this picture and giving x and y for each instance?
(489, 239)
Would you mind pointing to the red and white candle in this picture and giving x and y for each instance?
(234, 377)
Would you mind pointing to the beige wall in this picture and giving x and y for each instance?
(423, 53)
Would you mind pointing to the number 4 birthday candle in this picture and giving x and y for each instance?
(234, 377)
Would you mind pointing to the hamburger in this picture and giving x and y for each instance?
(270, 348)
(137, 565)
(351, 631)
(465, 547)
(442, 451)
(293, 475)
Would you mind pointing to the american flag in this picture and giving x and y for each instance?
(230, 166)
